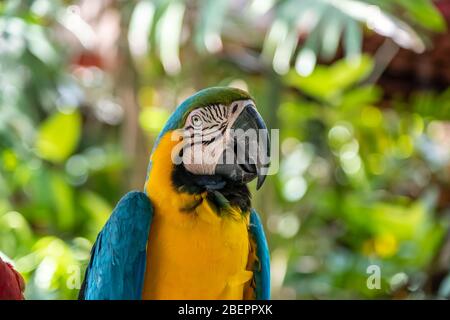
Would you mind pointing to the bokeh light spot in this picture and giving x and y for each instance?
(294, 189)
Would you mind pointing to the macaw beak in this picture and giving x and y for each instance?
(248, 153)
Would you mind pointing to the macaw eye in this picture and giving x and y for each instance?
(196, 121)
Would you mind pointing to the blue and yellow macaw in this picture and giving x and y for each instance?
(192, 233)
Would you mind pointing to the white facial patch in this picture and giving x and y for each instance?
(207, 132)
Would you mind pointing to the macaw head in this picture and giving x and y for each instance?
(222, 140)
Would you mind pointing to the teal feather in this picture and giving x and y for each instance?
(262, 269)
(117, 266)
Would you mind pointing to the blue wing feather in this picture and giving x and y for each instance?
(262, 269)
(117, 266)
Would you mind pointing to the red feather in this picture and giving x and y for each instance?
(12, 284)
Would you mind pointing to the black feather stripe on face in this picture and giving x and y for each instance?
(213, 116)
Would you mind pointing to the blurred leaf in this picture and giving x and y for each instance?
(331, 35)
(327, 83)
(360, 96)
(55, 262)
(425, 13)
(40, 45)
(353, 41)
(379, 21)
(15, 233)
(152, 119)
(169, 27)
(211, 17)
(329, 21)
(307, 57)
(58, 136)
(98, 209)
(141, 22)
(63, 199)
(429, 104)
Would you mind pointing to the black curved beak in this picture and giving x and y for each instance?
(248, 156)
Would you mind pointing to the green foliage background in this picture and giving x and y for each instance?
(86, 86)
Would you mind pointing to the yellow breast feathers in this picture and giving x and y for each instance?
(194, 254)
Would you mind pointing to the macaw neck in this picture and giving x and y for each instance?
(170, 186)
